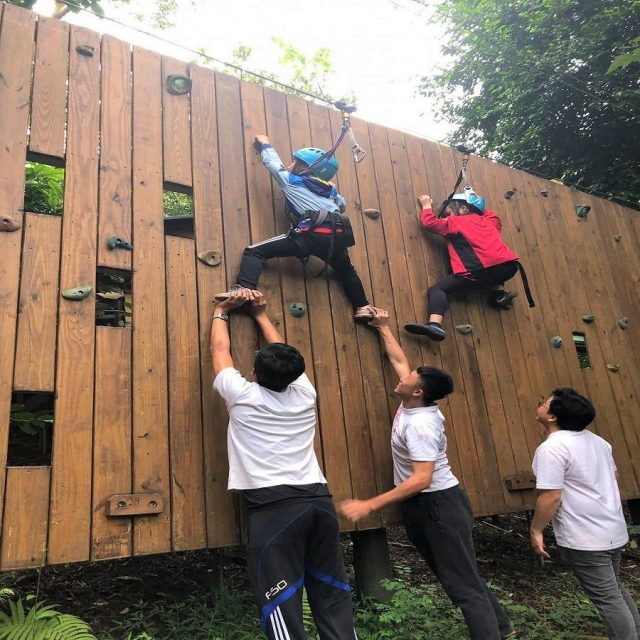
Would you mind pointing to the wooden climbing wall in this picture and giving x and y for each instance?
(134, 409)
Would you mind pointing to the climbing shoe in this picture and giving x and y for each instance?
(221, 297)
(504, 301)
(363, 313)
(431, 330)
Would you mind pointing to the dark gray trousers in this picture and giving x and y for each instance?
(439, 524)
(598, 573)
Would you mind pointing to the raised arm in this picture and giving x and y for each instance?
(428, 219)
(271, 160)
(394, 351)
(220, 342)
(258, 309)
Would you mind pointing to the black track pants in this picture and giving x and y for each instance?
(439, 524)
(294, 546)
(307, 244)
(484, 278)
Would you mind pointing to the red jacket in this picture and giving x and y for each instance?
(473, 241)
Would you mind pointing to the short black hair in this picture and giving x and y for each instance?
(277, 365)
(572, 411)
(435, 383)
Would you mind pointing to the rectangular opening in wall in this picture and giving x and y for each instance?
(580, 342)
(178, 211)
(30, 429)
(43, 188)
(114, 303)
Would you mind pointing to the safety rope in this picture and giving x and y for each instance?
(466, 153)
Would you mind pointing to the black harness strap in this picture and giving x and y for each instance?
(525, 284)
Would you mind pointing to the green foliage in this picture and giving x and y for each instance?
(43, 189)
(177, 204)
(30, 422)
(41, 622)
(526, 82)
(625, 59)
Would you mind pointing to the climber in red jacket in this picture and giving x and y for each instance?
(479, 257)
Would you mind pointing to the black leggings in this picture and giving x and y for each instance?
(307, 244)
(483, 278)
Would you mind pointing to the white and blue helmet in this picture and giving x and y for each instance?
(471, 199)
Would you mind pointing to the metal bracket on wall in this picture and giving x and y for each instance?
(520, 482)
(78, 293)
(134, 504)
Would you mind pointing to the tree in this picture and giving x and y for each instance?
(527, 84)
(160, 18)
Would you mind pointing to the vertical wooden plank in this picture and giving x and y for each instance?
(175, 128)
(49, 103)
(24, 534)
(70, 519)
(151, 534)
(115, 153)
(221, 523)
(331, 419)
(16, 44)
(112, 463)
(38, 305)
(185, 419)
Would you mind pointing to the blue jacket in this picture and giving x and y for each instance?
(303, 193)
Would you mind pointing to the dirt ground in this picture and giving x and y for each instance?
(102, 591)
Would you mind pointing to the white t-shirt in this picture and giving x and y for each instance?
(270, 435)
(580, 463)
(418, 435)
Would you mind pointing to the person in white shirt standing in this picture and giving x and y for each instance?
(293, 531)
(577, 484)
(436, 511)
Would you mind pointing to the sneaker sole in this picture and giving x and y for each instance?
(422, 330)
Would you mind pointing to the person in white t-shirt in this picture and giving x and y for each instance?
(436, 511)
(293, 531)
(577, 484)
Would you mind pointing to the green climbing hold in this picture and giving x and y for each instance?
(210, 258)
(118, 243)
(556, 342)
(582, 210)
(623, 323)
(297, 309)
(178, 84)
(464, 329)
(78, 293)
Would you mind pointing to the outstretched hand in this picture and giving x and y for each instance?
(236, 299)
(380, 317)
(354, 510)
(425, 202)
(257, 303)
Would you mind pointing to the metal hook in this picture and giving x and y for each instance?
(358, 153)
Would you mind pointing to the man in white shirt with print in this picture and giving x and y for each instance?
(576, 479)
(436, 511)
(293, 531)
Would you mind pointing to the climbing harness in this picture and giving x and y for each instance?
(466, 153)
(358, 152)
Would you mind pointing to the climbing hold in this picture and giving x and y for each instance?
(85, 50)
(582, 210)
(464, 329)
(9, 224)
(623, 323)
(297, 309)
(118, 243)
(613, 367)
(178, 84)
(588, 319)
(79, 293)
(556, 342)
(617, 238)
(509, 194)
(210, 258)
(544, 193)
(374, 214)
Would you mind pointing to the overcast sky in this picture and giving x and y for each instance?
(379, 48)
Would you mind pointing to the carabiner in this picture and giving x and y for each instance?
(358, 153)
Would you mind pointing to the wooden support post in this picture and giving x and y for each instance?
(634, 511)
(371, 563)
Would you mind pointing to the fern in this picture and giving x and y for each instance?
(41, 622)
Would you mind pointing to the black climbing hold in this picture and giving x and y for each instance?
(509, 194)
(85, 50)
(210, 258)
(617, 238)
(178, 84)
(582, 210)
(297, 309)
(118, 243)
(588, 319)
(544, 193)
